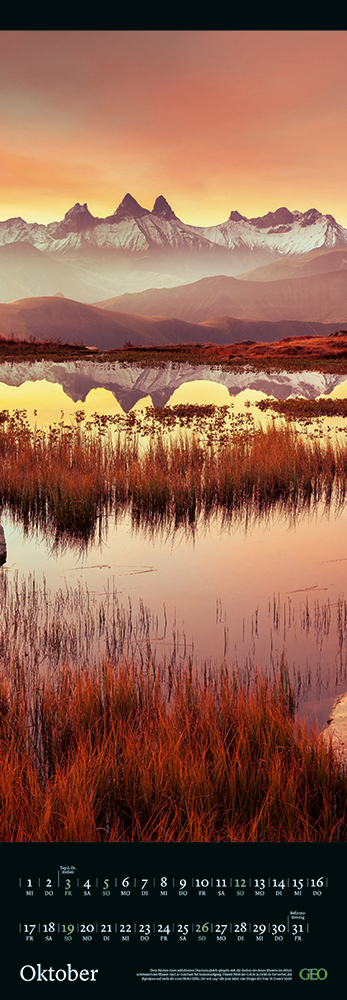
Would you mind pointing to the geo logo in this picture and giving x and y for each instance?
(313, 973)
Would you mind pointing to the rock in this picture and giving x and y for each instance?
(336, 728)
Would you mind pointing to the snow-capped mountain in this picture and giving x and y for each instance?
(137, 230)
(92, 259)
(281, 232)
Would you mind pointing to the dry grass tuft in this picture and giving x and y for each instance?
(104, 755)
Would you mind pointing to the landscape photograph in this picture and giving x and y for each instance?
(173, 437)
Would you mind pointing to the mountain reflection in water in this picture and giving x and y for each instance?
(114, 387)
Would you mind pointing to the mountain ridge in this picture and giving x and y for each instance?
(136, 248)
(282, 231)
(318, 297)
(45, 318)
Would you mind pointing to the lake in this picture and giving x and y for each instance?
(240, 592)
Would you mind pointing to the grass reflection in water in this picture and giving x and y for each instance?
(65, 479)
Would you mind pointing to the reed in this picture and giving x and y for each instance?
(67, 479)
(104, 755)
(46, 628)
(299, 408)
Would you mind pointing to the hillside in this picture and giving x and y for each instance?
(57, 318)
(320, 298)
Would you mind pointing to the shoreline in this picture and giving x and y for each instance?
(327, 354)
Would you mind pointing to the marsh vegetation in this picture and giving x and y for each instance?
(101, 739)
(67, 478)
(299, 408)
(108, 755)
(293, 354)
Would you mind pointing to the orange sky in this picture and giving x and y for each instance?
(214, 120)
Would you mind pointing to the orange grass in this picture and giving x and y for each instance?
(109, 755)
(66, 479)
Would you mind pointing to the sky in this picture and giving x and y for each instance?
(215, 121)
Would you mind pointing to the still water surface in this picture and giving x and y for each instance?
(239, 594)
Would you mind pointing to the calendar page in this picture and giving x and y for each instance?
(173, 511)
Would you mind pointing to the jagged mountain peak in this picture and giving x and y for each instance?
(282, 216)
(77, 209)
(311, 216)
(162, 208)
(128, 208)
(236, 217)
(75, 220)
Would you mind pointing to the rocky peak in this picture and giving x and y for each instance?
(162, 208)
(129, 208)
(236, 217)
(282, 216)
(75, 220)
(310, 217)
